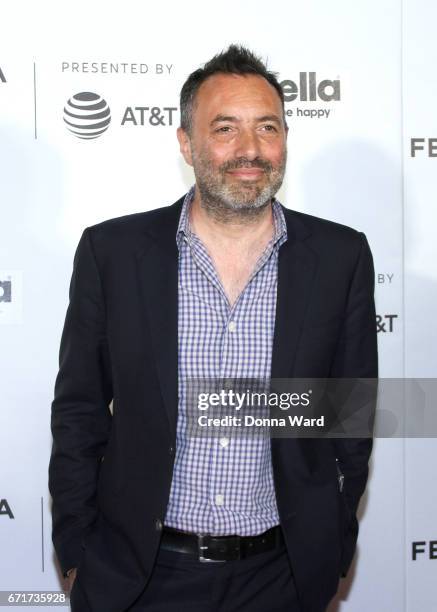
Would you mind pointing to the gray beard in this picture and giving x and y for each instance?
(220, 205)
(227, 204)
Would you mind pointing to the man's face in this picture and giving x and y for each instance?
(237, 145)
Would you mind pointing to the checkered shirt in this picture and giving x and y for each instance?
(223, 485)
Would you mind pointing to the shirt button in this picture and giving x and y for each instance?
(224, 442)
(232, 326)
(219, 500)
(158, 524)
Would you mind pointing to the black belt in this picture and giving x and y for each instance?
(220, 548)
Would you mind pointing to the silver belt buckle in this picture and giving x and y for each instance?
(202, 548)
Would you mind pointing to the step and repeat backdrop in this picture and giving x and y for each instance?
(361, 89)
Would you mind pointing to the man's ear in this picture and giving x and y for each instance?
(185, 145)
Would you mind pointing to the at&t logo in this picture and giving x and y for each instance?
(87, 115)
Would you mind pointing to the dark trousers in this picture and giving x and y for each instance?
(181, 583)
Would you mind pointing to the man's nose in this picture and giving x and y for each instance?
(247, 145)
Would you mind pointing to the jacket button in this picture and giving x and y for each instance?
(171, 450)
(158, 524)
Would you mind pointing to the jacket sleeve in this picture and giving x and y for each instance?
(357, 357)
(81, 418)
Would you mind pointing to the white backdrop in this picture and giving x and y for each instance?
(351, 163)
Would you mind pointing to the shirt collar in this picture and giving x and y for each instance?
(184, 220)
(184, 229)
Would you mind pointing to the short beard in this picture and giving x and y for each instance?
(232, 202)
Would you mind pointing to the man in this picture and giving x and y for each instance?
(226, 282)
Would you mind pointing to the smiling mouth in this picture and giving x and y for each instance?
(247, 173)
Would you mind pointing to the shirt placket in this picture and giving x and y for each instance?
(223, 449)
(217, 446)
(223, 454)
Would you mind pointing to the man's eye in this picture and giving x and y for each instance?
(269, 128)
(224, 128)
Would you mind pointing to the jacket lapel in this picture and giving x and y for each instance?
(297, 265)
(158, 280)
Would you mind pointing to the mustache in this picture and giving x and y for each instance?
(243, 162)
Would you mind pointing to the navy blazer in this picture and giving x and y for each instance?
(111, 470)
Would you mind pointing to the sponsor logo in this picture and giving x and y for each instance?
(423, 147)
(308, 88)
(11, 296)
(5, 290)
(5, 509)
(385, 323)
(87, 115)
(143, 115)
(420, 548)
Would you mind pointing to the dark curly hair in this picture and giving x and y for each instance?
(235, 60)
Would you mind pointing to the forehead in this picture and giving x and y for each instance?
(223, 93)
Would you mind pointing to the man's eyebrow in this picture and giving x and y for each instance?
(274, 118)
(220, 118)
(233, 119)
